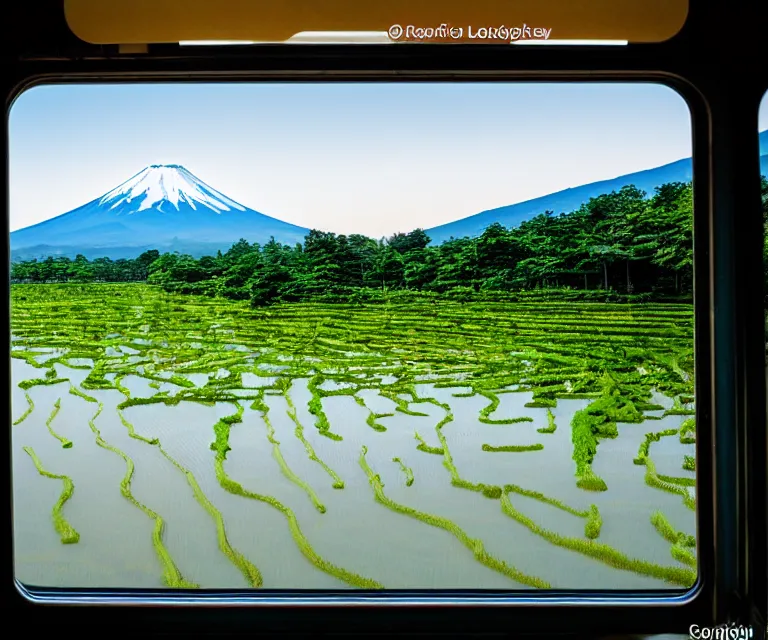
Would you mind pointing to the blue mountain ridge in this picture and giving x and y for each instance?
(90, 225)
(571, 199)
(161, 215)
(117, 226)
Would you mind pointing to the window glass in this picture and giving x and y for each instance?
(326, 336)
(480, 21)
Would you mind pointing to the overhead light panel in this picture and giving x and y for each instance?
(243, 22)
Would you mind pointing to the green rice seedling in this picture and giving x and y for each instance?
(653, 480)
(681, 542)
(36, 382)
(681, 554)
(486, 411)
(298, 536)
(648, 406)
(278, 456)
(119, 386)
(156, 399)
(589, 481)
(95, 378)
(30, 357)
(406, 470)
(679, 411)
(678, 408)
(489, 491)
(689, 463)
(233, 487)
(602, 552)
(315, 406)
(402, 405)
(246, 567)
(669, 533)
(683, 482)
(338, 483)
(77, 392)
(584, 450)
(688, 431)
(429, 400)
(511, 488)
(172, 577)
(30, 409)
(551, 426)
(665, 483)
(642, 453)
(66, 532)
(546, 388)
(598, 420)
(66, 444)
(371, 420)
(474, 545)
(542, 402)
(221, 430)
(513, 448)
(372, 417)
(594, 523)
(359, 401)
(423, 446)
(132, 431)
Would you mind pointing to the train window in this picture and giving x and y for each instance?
(353, 335)
(349, 21)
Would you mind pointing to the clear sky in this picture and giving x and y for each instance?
(350, 158)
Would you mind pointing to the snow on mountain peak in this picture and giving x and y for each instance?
(159, 183)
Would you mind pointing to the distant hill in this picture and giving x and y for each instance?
(571, 199)
(162, 207)
(166, 207)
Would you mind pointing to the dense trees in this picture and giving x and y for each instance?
(59, 269)
(624, 241)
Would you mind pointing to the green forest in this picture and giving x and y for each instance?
(624, 245)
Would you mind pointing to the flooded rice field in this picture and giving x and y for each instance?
(161, 441)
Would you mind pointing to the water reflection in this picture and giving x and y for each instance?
(355, 532)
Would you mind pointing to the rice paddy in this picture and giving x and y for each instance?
(429, 444)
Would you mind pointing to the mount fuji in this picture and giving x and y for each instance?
(162, 207)
(167, 208)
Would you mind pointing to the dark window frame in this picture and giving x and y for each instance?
(729, 316)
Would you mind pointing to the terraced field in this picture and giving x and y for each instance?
(192, 442)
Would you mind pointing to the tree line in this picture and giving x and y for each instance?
(624, 241)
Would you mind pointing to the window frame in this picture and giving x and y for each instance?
(729, 318)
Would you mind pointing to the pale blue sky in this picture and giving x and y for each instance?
(350, 158)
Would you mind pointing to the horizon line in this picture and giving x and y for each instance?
(181, 166)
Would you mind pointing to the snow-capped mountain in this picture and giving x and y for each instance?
(162, 207)
(160, 185)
